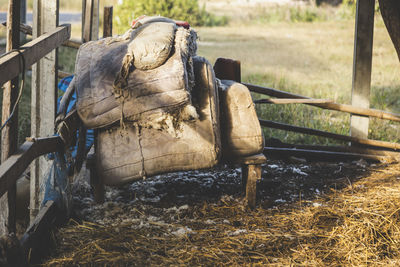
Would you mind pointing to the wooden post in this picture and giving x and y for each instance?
(363, 43)
(44, 95)
(9, 135)
(227, 69)
(95, 20)
(91, 23)
(107, 21)
(253, 175)
(83, 20)
(22, 35)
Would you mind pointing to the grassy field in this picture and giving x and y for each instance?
(312, 59)
(308, 58)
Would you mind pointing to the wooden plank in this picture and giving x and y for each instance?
(364, 32)
(304, 130)
(107, 21)
(35, 241)
(292, 101)
(72, 44)
(27, 29)
(227, 69)
(83, 19)
(331, 106)
(9, 134)
(95, 20)
(14, 166)
(11, 63)
(22, 15)
(96, 182)
(88, 24)
(24, 28)
(272, 142)
(44, 95)
(279, 152)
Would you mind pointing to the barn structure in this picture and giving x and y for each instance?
(41, 54)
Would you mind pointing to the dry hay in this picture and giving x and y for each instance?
(354, 226)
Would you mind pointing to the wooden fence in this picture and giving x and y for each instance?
(36, 54)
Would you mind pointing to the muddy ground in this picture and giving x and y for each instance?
(281, 183)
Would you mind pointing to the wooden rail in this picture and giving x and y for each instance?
(292, 101)
(14, 166)
(331, 106)
(319, 155)
(27, 29)
(11, 63)
(304, 130)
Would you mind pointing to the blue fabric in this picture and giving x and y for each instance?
(63, 86)
(55, 186)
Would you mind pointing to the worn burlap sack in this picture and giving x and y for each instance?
(241, 132)
(144, 92)
(173, 144)
(152, 45)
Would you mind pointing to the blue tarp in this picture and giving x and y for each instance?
(55, 186)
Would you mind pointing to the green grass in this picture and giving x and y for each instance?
(312, 59)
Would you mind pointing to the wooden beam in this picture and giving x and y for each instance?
(253, 173)
(331, 106)
(11, 63)
(9, 134)
(22, 20)
(35, 241)
(24, 28)
(107, 21)
(27, 29)
(364, 32)
(292, 101)
(44, 95)
(298, 129)
(14, 166)
(72, 44)
(88, 23)
(278, 152)
(272, 142)
(95, 20)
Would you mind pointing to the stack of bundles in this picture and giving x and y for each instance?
(152, 100)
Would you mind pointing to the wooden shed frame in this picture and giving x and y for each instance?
(48, 35)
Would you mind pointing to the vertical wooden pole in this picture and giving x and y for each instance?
(91, 25)
(107, 21)
(364, 32)
(9, 135)
(253, 174)
(22, 35)
(44, 95)
(83, 19)
(95, 19)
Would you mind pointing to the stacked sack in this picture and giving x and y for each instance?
(154, 103)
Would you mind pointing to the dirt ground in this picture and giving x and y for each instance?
(199, 218)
